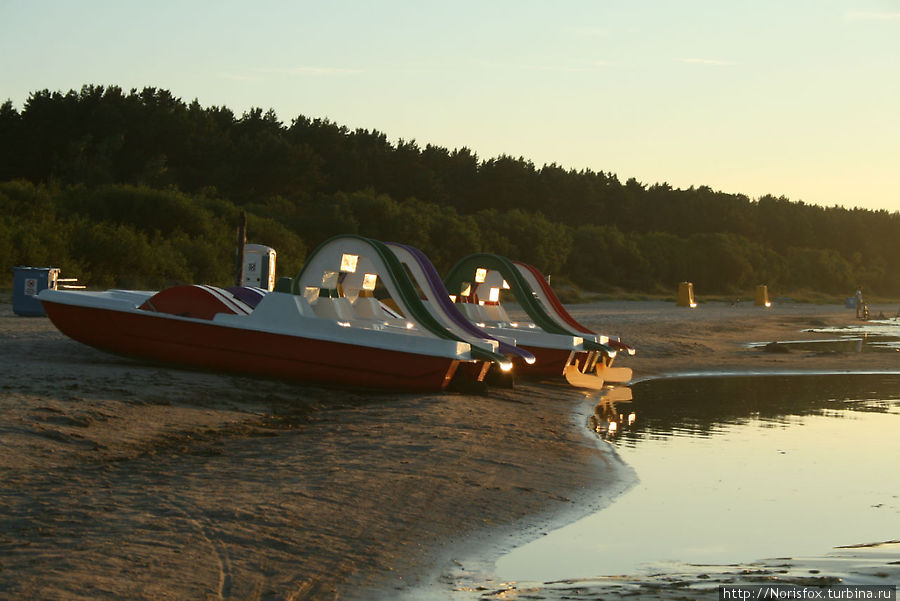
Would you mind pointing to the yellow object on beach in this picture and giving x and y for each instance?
(686, 295)
(762, 296)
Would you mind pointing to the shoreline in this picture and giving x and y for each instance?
(469, 566)
(125, 479)
(471, 569)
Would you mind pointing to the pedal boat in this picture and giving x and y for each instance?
(601, 363)
(560, 347)
(324, 327)
(437, 300)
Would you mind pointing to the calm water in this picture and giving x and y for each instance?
(876, 335)
(736, 469)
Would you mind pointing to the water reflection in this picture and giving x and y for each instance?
(735, 469)
(854, 342)
(878, 335)
(609, 417)
(703, 406)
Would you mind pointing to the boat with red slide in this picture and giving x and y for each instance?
(560, 345)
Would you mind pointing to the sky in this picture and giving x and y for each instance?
(795, 98)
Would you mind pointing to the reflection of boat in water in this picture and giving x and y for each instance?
(608, 420)
(561, 346)
(702, 405)
(325, 327)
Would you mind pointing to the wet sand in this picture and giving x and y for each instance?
(121, 479)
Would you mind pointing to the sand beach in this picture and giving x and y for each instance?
(127, 480)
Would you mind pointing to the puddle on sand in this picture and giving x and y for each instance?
(881, 335)
(732, 470)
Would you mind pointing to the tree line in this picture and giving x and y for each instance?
(142, 188)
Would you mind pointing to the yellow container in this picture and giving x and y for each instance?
(686, 295)
(762, 296)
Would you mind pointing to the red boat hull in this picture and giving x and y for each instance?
(549, 363)
(157, 337)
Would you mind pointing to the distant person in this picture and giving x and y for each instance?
(859, 302)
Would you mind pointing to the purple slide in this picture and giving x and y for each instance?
(439, 294)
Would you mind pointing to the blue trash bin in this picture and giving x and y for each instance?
(27, 283)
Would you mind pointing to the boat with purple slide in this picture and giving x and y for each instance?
(437, 300)
(324, 326)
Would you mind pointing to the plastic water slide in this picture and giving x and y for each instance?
(466, 268)
(479, 280)
(442, 308)
(544, 294)
(379, 258)
(413, 305)
(587, 366)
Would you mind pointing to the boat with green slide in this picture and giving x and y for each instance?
(560, 345)
(350, 318)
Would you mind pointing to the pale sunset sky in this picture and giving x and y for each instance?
(799, 98)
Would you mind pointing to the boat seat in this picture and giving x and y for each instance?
(334, 308)
(496, 312)
(473, 312)
(368, 307)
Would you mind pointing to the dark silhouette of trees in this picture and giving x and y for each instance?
(141, 186)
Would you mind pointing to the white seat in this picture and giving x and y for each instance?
(496, 313)
(334, 308)
(368, 307)
(474, 312)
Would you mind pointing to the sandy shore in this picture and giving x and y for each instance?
(120, 479)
